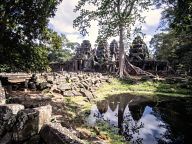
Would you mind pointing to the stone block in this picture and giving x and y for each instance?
(64, 87)
(76, 93)
(87, 94)
(8, 114)
(2, 95)
(30, 121)
(44, 115)
(30, 101)
(26, 126)
(68, 93)
(85, 85)
(42, 86)
(54, 132)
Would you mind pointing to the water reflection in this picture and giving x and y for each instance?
(141, 120)
(148, 130)
(109, 116)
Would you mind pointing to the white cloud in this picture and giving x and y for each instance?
(147, 38)
(63, 20)
(74, 38)
(63, 23)
(93, 33)
(152, 17)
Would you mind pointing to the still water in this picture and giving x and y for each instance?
(144, 120)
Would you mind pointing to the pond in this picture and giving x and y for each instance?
(145, 120)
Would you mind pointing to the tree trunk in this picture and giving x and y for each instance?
(121, 52)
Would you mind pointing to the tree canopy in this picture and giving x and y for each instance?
(175, 45)
(25, 38)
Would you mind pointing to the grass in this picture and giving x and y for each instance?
(111, 132)
(142, 88)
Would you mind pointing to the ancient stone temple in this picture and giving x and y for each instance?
(114, 51)
(84, 57)
(138, 50)
(139, 56)
(102, 53)
(114, 56)
(84, 50)
(106, 58)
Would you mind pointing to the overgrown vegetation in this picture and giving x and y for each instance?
(147, 88)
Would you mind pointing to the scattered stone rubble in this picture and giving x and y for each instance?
(25, 113)
(76, 84)
(65, 83)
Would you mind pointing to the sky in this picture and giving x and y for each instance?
(63, 23)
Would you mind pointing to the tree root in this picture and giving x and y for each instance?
(130, 69)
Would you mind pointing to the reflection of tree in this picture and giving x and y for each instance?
(133, 116)
(131, 127)
(102, 106)
(137, 111)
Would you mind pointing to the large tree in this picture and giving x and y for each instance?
(175, 45)
(115, 17)
(23, 27)
(167, 46)
(164, 46)
(177, 15)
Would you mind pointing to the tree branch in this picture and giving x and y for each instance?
(131, 8)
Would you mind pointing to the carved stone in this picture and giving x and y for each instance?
(138, 51)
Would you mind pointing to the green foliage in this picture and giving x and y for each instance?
(142, 88)
(168, 46)
(39, 58)
(61, 55)
(51, 39)
(23, 27)
(4, 68)
(110, 15)
(175, 46)
(184, 56)
(178, 15)
(164, 46)
(64, 54)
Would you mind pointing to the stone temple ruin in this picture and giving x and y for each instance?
(139, 56)
(138, 50)
(105, 58)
